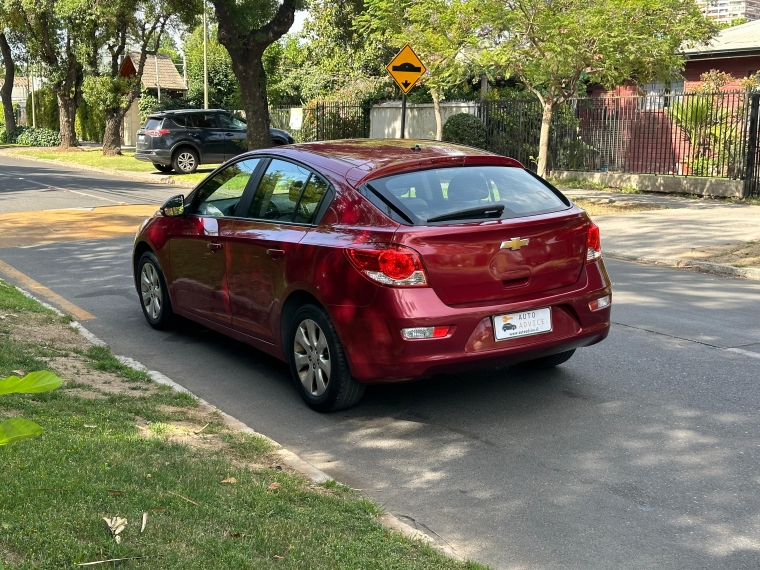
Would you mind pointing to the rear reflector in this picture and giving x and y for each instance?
(425, 332)
(600, 303)
(593, 243)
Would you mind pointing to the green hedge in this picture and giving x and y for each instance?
(464, 128)
(90, 124)
(30, 136)
(16, 113)
(46, 109)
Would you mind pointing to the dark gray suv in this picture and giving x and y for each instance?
(183, 139)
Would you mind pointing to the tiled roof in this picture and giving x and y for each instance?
(168, 76)
(745, 37)
(18, 81)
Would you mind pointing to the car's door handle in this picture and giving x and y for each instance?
(276, 253)
(229, 135)
(214, 246)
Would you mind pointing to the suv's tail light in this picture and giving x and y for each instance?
(157, 132)
(593, 243)
(395, 265)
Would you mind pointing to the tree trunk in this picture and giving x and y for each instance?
(67, 107)
(437, 110)
(253, 93)
(112, 134)
(7, 89)
(543, 145)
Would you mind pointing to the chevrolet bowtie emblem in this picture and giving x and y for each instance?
(514, 244)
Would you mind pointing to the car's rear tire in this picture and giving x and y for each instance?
(318, 363)
(549, 361)
(185, 160)
(163, 167)
(154, 296)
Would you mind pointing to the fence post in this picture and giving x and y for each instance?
(751, 176)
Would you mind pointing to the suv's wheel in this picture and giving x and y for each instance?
(163, 167)
(154, 297)
(318, 364)
(185, 161)
(549, 361)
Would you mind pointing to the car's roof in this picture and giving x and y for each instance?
(186, 111)
(359, 159)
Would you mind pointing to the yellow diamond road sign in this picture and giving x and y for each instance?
(406, 68)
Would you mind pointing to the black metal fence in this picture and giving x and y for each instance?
(693, 134)
(323, 121)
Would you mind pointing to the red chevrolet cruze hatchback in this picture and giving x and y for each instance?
(369, 261)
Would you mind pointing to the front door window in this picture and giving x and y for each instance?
(220, 196)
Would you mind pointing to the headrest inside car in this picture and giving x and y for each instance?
(468, 188)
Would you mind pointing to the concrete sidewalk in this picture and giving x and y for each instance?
(671, 236)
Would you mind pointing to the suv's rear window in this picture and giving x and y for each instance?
(462, 194)
(152, 124)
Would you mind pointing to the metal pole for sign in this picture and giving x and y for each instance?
(403, 115)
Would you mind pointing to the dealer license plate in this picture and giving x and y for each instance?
(524, 323)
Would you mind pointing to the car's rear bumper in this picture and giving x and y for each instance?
(160, 156)
(377, 352)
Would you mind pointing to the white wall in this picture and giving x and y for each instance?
(385, 118)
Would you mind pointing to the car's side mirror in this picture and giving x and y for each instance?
(174, 207)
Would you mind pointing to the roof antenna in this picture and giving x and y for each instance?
(416, 148)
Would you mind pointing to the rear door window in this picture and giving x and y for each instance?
(175, 121)
(279, 191)
(202, 120)
(463, 194)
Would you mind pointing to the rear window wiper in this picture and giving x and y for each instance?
(495, 210)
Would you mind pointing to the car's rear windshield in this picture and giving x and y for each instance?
(461, 194)
(152, 123)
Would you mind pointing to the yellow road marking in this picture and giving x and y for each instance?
(28, 283)
(51, 226)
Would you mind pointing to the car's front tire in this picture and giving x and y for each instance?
(185, 161)
(162, 167)
(154, 296)
(549, 361)
(318, 363)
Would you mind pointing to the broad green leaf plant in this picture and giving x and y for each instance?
(16, 429)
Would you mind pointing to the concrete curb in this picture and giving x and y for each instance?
(750, 273)
(289, 458)
(165, 180)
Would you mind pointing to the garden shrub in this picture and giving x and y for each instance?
(30, 136)
(466, 129)
(46, 109)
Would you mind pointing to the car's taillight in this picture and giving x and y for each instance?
(390, 265)
(593, 243)
(157, 132)
(425, 332)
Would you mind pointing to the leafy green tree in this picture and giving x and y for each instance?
(442, 33)
(246, 29)
(142, 23)
(554, 46)
(66, 36)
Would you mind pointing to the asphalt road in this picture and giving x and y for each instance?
(640, 452)
(29, 186)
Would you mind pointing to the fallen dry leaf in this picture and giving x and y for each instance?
(273, 487)
(277, 557)
(90, 426)
(115, 492)
(116, 525)
(237, 534)
(200, 430)
(230, 480)
(145, 521)
(19, 372)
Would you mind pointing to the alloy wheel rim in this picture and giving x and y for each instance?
(312, 357)
(186, 161)
(150, 290)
